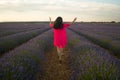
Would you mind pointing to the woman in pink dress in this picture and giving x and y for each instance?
(60, 36)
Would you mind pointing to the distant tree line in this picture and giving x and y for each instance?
(99, 22)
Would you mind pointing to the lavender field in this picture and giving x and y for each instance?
(106, 35)
(27, 52)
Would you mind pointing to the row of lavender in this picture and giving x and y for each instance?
(25, 61)
(9, 28)
(110, 29)
(105, 35)
(9, 42)
(91, 62)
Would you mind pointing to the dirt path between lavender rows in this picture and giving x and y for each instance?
(55, 71)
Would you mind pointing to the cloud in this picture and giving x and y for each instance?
(63, 7)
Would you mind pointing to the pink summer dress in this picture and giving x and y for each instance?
(60, 36)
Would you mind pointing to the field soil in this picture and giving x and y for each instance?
(53, 69)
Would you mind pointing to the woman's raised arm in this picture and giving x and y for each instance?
(73, 20)
(50, 20)
(50, 24)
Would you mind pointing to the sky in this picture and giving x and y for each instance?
(41, 10)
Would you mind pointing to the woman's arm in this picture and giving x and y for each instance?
(73, 20)
(50, 20)
(50, 24)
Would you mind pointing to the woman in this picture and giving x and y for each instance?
(60, 35)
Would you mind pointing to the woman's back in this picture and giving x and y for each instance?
(60, 35)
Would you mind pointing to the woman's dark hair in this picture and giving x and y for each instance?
(58, 24)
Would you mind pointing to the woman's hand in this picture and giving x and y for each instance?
(75, 18)
(50, 19)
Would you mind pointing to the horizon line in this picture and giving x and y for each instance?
(63, 21)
